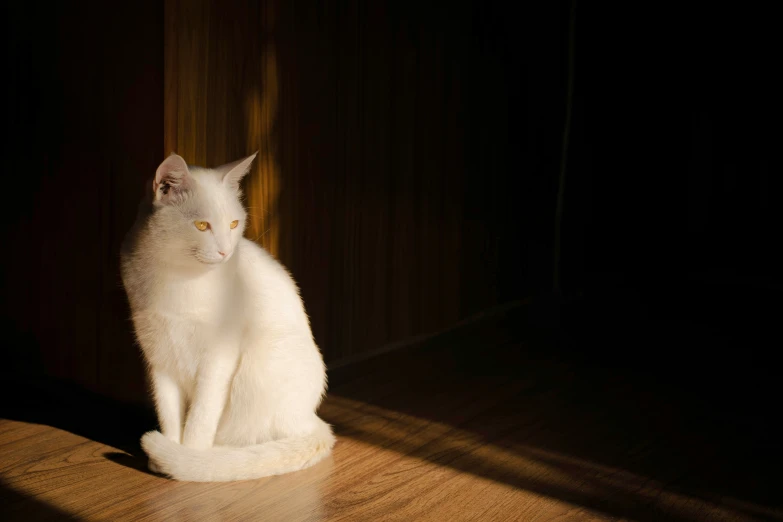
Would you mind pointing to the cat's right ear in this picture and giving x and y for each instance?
(172, 180)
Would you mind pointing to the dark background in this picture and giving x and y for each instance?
(418, 152)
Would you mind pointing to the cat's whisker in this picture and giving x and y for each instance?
(263, 234)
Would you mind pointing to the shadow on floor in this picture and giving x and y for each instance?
(18, 507)
(70, 408)
(625, 409)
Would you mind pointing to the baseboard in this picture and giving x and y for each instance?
(337, 370)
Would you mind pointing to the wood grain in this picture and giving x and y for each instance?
(430, 435)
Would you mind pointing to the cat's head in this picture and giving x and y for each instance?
(198, 217)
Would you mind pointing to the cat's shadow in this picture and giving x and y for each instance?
(135, 462)
(72, 409)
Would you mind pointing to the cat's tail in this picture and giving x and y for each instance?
(223, 463)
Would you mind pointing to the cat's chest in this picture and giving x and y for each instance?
(183, 319)
(203, 301)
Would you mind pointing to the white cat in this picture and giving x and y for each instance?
(236, 375)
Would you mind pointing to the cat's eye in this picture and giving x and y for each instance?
(201, 225)
(234, 224)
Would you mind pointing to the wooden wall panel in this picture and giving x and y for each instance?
(84, 128)
(383, 180)
(361, 116)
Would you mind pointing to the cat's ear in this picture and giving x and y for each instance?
(172, 179)
(232, 173)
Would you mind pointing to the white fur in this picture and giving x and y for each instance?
(236, 375)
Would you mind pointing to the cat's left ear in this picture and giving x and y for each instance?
(172, 180)
(232, 173)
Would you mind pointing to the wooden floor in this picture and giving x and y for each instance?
(477, 424)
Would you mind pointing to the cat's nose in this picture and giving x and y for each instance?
(222, 253)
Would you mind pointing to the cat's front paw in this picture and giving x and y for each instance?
(151, 444)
